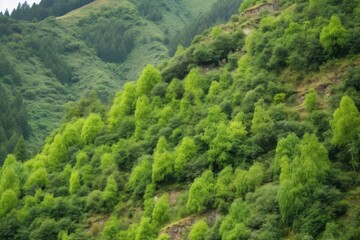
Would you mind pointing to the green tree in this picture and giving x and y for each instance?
(311, 101)
(334, 37)
(37, 179)
(203, 55)
(247, 181)
(8, 201)
(148, 79)
(140, 177)
(262, 128)
(58, 152)
(220, 146)
(92, 126)
(163, 161)
(210, 124)
(224, 187)
(123, 105)
(142, 114)
(193, 85)
(214, 91)
(149, 201)
(201, 193)
(184, 153)
(161, 212)
(345, 127)
(71, 133)
(145, 230)
(110, 193)
(165, 114)
(240, 182)
(20, 150)
(108, 162)
(199, 230)
(46, 229)
(286, 148)
(233, 226)
(81, 159)
(255, 176)
(9, 180)
(300, 177)
(261, 122)
(74, 182)
(111, 229)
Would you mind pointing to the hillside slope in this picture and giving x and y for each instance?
(236, 137)
(94, 48)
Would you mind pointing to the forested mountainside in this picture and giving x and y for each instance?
(252, 132)
(91, 50)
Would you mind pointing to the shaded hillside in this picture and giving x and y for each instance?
(236, 137)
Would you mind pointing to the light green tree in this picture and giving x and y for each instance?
(201, 193)
(74, 182)
(261, 122)
(37, 179)
(109, 195)
(81, 159)
(199, 230)
(123, 105)
(92, 126)
(255, 176)
(286, 148)
(111, 229)
(240, 182)
(247, 181)
(310, 101)
(214, 91)
(58, 152)
(148, 79)
(8, 201)
(233, 226)
(161, 212)
(142, 113)
(224, 187)
(48, 203)
(149, 201)
(145, 230)
(163, 161)
(193, 85)
(220, 146)
(210, 124)
(184, 153)
(140, 177)
(9, 180)
(345, 126)
(300, 176)
(334, 36)
(262, 127)
(71, 133)
(164, 115)
(108, 162)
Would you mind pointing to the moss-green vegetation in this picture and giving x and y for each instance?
(92, 49)
(263, 148)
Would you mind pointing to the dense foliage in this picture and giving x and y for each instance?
(50, 61)
(236, 137)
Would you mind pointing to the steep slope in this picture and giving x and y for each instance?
(236, 137)
(94, 48)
